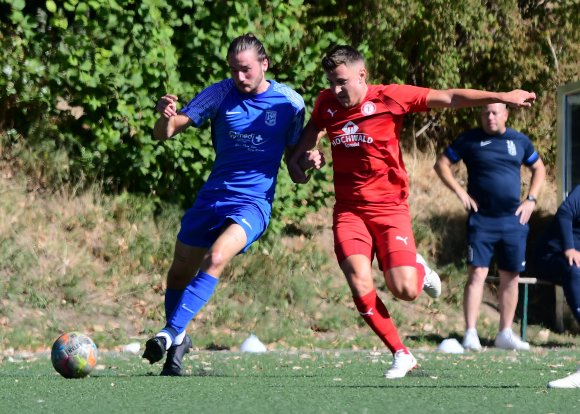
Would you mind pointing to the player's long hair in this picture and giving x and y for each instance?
(341, 55)
(245, 42)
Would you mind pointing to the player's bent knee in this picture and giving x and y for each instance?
(360, 286)
(214, 259)
(402, 284)
(406, 292)
(476, 280)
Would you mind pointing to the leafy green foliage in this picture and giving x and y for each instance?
(470, 44)
(85, 76)
(80, 78)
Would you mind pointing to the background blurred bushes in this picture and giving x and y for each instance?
(79, 79)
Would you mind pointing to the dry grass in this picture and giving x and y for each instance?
(66, 257)
(97, 263)
(434, 204)
(429, 196)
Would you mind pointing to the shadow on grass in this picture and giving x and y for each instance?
(435, 340)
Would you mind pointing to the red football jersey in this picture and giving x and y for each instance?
(367, 161)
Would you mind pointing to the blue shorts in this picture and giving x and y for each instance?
(503, 237)
(202, 224)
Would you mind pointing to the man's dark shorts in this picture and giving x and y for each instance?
(502, 237)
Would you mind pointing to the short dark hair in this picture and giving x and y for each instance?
(245, 42)
(341, 55)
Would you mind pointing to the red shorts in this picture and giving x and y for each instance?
(384, 230)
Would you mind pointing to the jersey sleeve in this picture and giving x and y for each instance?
(295, 128)
(296, 102)
(205, 105)
(410, 98)
(315, 116)
(530, 154)
(455, 149)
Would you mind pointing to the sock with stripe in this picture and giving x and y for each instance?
(374, 312)
(420, 277)
(194, 297)
(172, 297)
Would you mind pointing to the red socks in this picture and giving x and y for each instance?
(376, 315)
(420, 277)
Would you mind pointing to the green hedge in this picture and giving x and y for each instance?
(80, 78)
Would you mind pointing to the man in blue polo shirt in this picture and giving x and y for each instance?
(497, 223)
(253, 121)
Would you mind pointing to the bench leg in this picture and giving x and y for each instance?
(525, 313)
(559, 311)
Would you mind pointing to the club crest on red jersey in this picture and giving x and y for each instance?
(368, 108)
(350, 128)
(351, 137)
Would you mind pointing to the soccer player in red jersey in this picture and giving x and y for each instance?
(371, 214)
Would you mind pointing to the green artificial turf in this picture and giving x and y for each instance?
(298, 382)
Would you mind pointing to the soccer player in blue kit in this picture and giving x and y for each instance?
(253, 122)
(498, 220)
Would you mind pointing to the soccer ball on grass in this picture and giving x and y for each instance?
(74, 355)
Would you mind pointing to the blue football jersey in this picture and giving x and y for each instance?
(249, 133)
(493, 166)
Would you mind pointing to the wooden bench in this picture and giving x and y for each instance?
(559, 301)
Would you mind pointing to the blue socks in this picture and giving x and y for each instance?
(172, 296)
(186, 304)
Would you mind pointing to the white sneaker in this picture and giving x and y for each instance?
(403, 363)
(471, 340)
(571, 381)
(432, 282)
(506, 339)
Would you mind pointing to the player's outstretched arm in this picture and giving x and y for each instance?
(462, 98)
(170, 122)
(308, 141)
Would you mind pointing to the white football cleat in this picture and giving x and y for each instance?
(432, 281)
(471, 340)
(403, 362)
(571, 381)
(507, 339)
